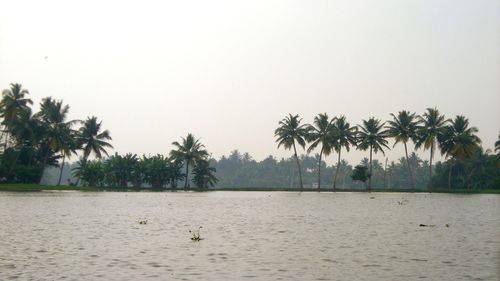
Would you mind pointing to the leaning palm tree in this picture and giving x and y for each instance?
(321, 134)
(13, 102)
(458, 141)
(432, 126)
(345, 136)
(403, 128)
(190, 151)
(372, 136)
(290, 131)
(92, 139)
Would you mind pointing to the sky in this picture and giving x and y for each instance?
(228, 71)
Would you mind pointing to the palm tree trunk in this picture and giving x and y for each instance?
(298, 165)
(6, 141)
(61, 170)
(449, 175)
(187, 175)
(409, 169)
(336, 172)
(319, 170)
(370, 178)
(430, 166)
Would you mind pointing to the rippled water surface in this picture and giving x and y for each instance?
(249, 235)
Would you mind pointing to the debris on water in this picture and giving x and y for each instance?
(447, 225)
(426, 225)
(143, 222)
(372, 197)
(196, 236)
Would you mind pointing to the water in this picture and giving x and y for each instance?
(249, 235)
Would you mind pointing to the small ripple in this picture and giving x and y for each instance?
(418, 260)
(371, 265)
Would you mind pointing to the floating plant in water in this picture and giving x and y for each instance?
(196, 235)
(403, 202)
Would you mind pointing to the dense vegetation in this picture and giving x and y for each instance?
(34, 142)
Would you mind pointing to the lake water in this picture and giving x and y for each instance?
(249, 236)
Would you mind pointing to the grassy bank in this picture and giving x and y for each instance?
(35, 188)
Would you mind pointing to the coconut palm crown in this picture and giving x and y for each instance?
(14, 101)
(190, 150)
(92, 139)
(289, 132)
(433, 125)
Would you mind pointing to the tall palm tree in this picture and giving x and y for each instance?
(13, 102)
(190, 151)
(290, 131)
(372, 136)
(53, 115)
(458, 141)
(403, 128)
(321, 134)
(432, 126)
(345, 136)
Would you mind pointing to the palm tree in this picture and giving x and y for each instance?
(372, 136)
(53, 115)
(458, 141)
(345, 136)
(433, 125)
(289, 132)
(92, 140)
(403, 128)
(321, 133)
(190, 151)
(13, 102)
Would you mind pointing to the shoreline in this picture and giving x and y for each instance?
(44, 188)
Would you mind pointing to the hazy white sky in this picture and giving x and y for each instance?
(228, 71)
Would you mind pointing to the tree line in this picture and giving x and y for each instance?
(453, 138)
(157, 172)
(32, 141)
